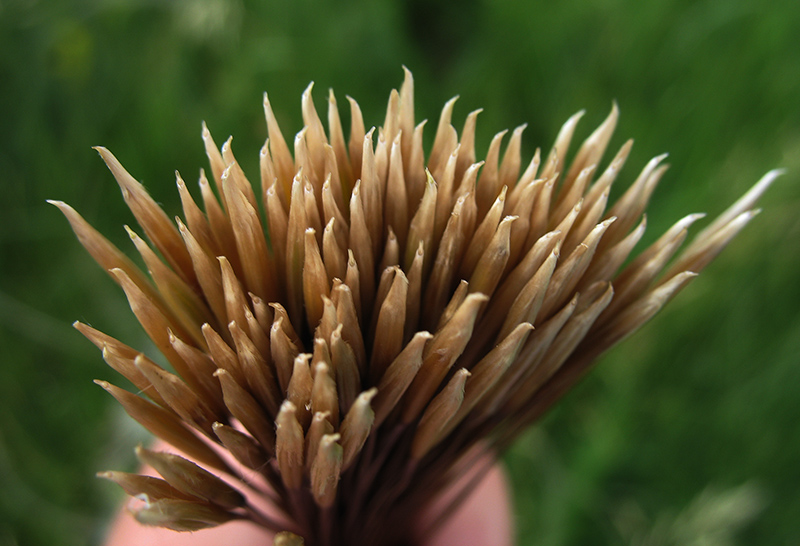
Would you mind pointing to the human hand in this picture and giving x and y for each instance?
(483, 519)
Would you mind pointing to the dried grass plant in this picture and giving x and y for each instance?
(372, 320)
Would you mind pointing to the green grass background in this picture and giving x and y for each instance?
(685, 434)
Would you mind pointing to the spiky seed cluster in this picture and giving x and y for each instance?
(360, 330)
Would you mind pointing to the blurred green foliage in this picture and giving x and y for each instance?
(704, 399)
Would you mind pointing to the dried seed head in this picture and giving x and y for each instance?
(285, 538)
(181, 515)
(165, 425)
(326, 469)
(289, 446)
(243, 447)
(356, 426)
(189, 478)
(438, 414)
(372, 286)
(144, 486)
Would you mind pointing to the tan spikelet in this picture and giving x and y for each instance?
(326, 469)
(165, 425)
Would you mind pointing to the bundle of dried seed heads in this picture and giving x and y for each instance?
(368, 324)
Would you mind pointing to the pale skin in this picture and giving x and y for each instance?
(483, 519)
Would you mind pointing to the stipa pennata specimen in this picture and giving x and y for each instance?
(367, 325)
